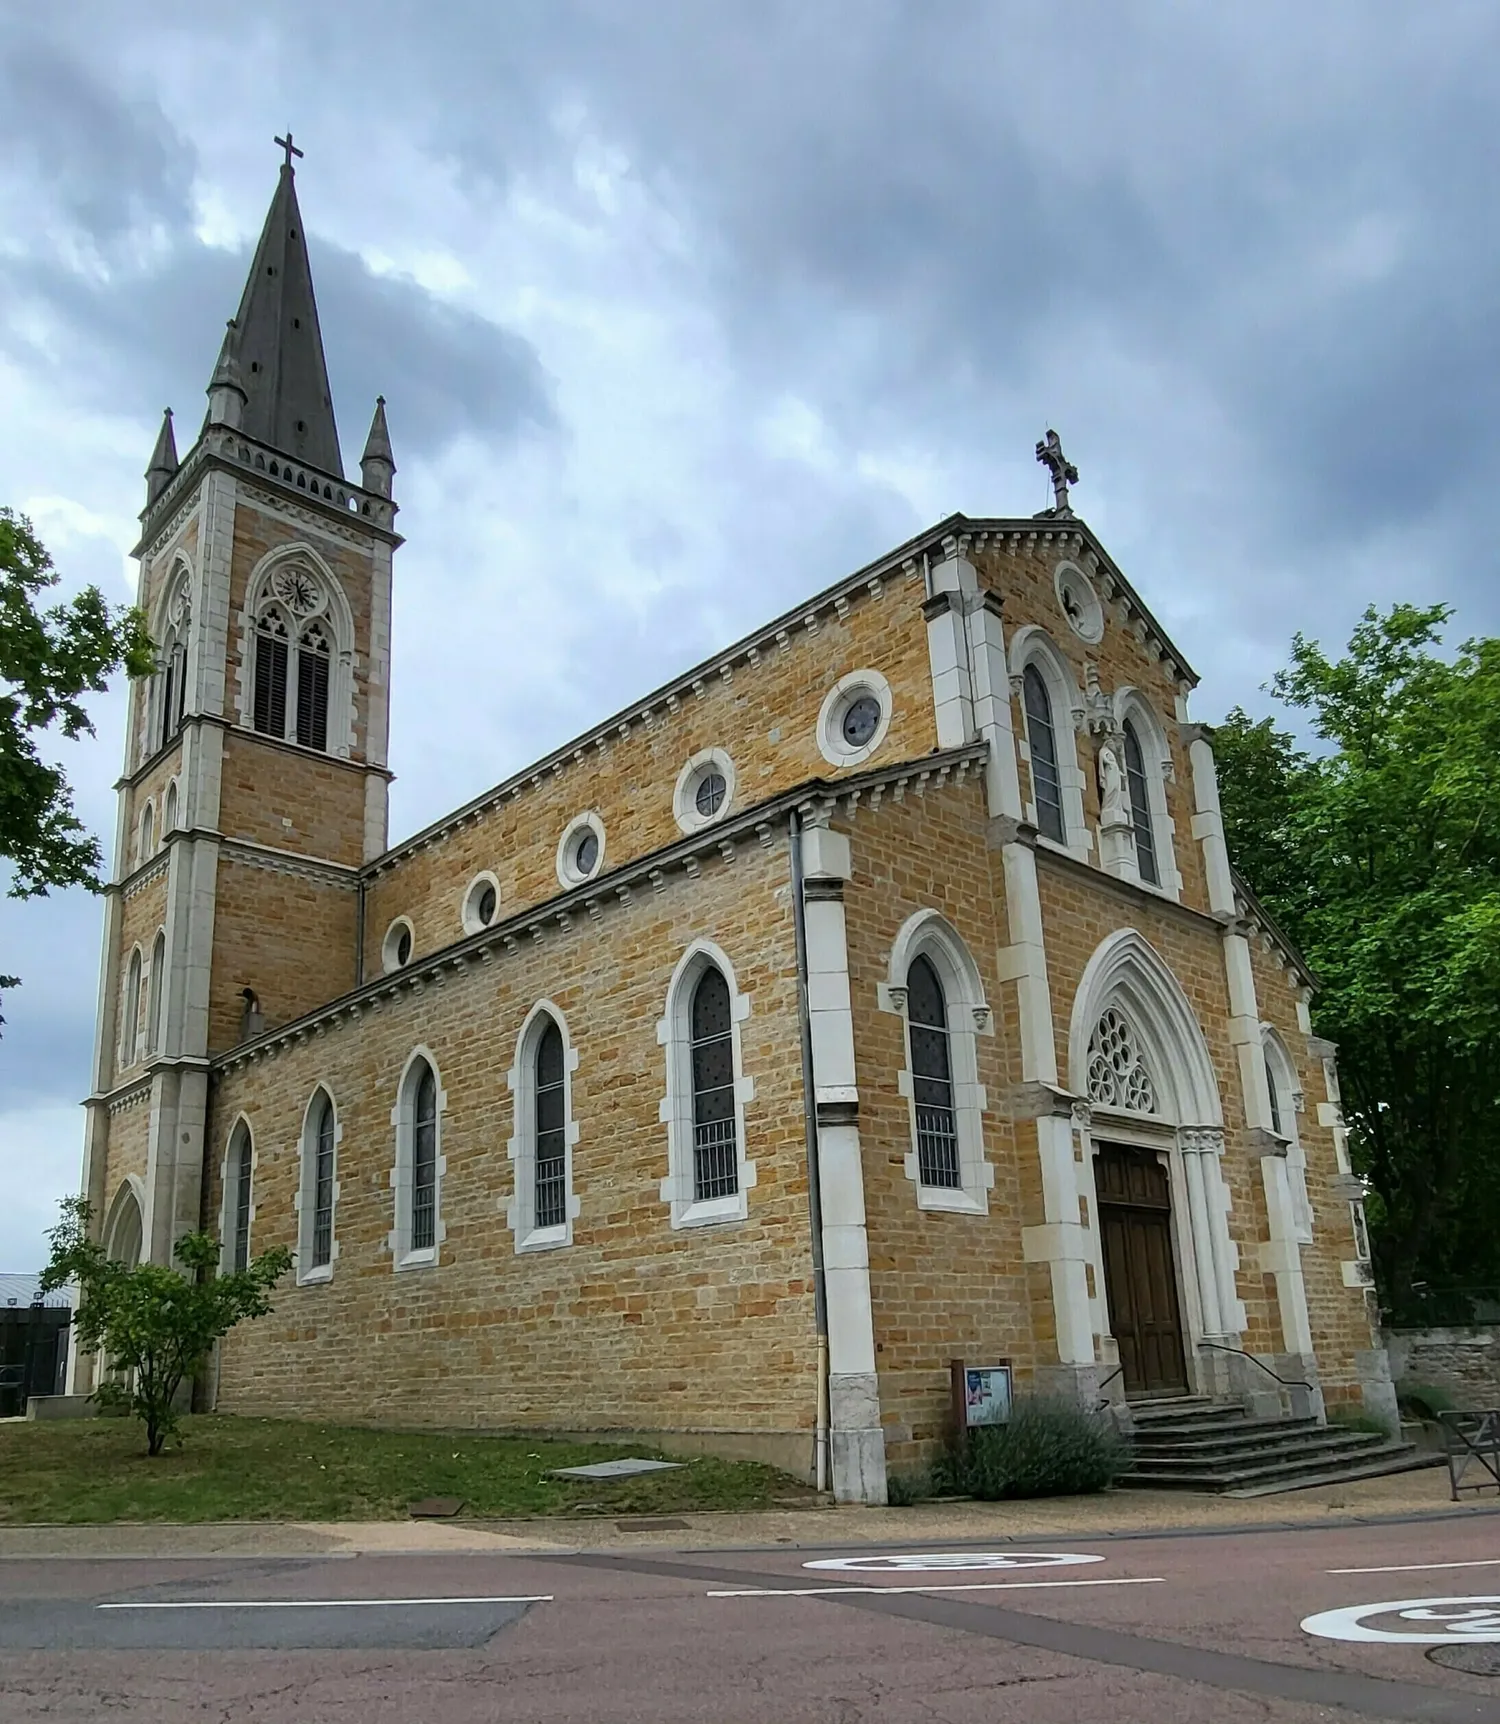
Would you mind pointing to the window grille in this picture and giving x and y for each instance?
(1117, 1073)
(716, 1171)
(932, 1077)
(1140, 807)
(551, 1149)
(270, 674)
(1046, 782)
(424, 1163)
(240, 1255)
(322, 1230)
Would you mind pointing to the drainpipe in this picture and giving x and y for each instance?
(359, 934)
(814, 1180)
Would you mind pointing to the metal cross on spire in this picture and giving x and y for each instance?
(287, 144)
(1050, 453)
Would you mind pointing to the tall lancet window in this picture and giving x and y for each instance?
(312, 687)
(424, 1162)
(551, 1106)
(1140, 807)
(716, 1171)
(271, 652)
(1041, 735)
(932, 1076)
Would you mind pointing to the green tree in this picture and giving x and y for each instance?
(155, 1326)
(1379, 851)
(50, 659)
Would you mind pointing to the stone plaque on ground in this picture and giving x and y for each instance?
(625, 1469)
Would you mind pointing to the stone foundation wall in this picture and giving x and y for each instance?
(1464, 1362)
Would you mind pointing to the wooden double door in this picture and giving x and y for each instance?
(1140, 1276)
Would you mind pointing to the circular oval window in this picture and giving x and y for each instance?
(485, 908)
(403, 946)
(708, 798)
(860, 721)
(580, 850)
(396, 948)
(854, 719)
(586, 852)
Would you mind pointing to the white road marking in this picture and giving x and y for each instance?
(1437, 1621)
(916, 1562)
(313, 1603)
(1414, 1567)
(935, 1586)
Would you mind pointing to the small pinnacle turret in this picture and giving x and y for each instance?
(227, 394)
(377, 466)
(163, 460)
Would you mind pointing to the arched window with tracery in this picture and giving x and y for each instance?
(1118, 1074)
(715, 1150)
(1041, 737)
(295, 653)
(1140, 806)
(169, 686)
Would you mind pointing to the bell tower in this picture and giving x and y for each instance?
(255, 776)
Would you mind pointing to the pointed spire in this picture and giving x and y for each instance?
(377, 466)
(163, 460)
(227, 394)
(279, 345)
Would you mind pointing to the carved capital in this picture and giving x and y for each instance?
(898, 999)
(1201, 1140)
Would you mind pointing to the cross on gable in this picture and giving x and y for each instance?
(287, 144)
(1050, 453)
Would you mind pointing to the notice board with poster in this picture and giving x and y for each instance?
(981, 1394)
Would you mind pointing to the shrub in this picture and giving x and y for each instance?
(907, 1487)
(1425, 1403)
(1353, 1419)
(1051, 1447)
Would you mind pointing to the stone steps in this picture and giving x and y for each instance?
(1193, 1443)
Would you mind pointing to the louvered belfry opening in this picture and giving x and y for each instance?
(716, 1170)
(312, 688)
(551, 1131)
(932, 1076)
(270, 674)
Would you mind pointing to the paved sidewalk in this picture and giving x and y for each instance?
(1119, 1512)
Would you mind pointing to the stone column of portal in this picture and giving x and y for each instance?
(856, 1440)
(1059, 1240)
(1282, 1257)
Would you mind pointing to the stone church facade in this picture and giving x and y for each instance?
(876, 994)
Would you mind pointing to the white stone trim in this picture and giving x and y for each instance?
(156, 980)
(673, 1034)
(132, 1188)
(131, 997)
(390, 946)
(845, 691)
(1031, 644)
(145, 834)
(468, 909)
(305, 1198)
(684, 809)
(1068, 578)
(568, 873)
(398, 1240)
(520, 1208)
(227, 1202)
(929, 934)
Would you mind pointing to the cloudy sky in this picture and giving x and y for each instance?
(684, 308)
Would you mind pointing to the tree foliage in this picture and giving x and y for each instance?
(154, 1326)
(50, 659)
(1379, 852)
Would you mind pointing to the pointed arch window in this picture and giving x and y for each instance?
(302, 639)
(239, 1191)
(317, 1189)
(1041, 737)
(716, 1171)
(1140, 806)
(157, 993)
(424, 1162)
(551, 1130)
(169, 814)
(542, 1208)
(147, 841)
(932, 1077)
(420, 1165)
(313, 658)
(130, 1010)
(1282, 1090)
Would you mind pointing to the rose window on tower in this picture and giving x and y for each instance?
(1117, 1073)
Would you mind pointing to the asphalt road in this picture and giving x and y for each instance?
(1141, 1630)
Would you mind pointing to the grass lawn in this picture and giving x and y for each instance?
(273, 1469)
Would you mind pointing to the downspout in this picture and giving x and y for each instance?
(814, 1180)
(359, 935)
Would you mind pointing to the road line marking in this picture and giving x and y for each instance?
(963, 1586)
(312, 1603)
(1415, 1567)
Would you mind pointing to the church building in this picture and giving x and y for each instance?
(876, 994)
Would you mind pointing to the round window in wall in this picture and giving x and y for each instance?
(396, 948)
(481, 901)
(705, 790)
(1080, 603)
(580, 853)
(855, 717)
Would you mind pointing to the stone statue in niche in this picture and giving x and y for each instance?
(1114, 805)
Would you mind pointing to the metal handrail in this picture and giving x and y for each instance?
(1119, 1371)
(1240, 1353)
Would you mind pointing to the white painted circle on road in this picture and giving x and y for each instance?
(1412, 1621)
(953, 1561)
